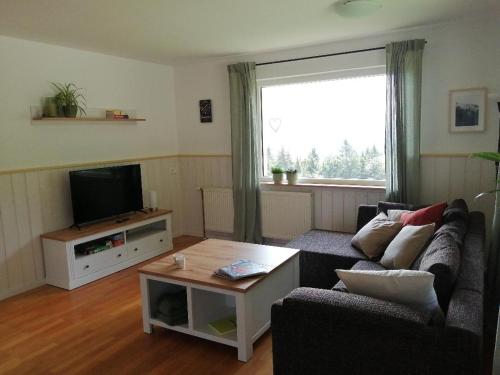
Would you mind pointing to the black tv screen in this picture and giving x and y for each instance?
(104, 192)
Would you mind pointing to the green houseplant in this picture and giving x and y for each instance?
(69, 99)
(50, 107)
(277, 174)
(494, 255)
(291, 176)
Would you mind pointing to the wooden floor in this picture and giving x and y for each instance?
(97, 329)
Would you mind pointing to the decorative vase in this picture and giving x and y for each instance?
(292, 178)
(50, 109)
(70, 110)
(278, 178)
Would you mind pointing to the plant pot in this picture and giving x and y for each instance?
(70, 110)
(278, 178)
(292, 178)
(50, 108)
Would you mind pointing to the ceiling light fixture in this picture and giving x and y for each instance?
(356, 8)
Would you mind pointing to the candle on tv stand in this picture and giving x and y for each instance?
(153, 200)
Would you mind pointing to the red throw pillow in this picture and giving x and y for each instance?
(424, 216)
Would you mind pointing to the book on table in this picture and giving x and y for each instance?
(240, 269)
(223, 326)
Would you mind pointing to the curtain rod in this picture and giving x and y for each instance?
(320, 56)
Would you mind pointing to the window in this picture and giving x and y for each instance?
(330, 129)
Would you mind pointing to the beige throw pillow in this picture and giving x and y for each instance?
(406, 246)
(373, 238)
(414, 288)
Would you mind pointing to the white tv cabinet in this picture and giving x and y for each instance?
(144, 236)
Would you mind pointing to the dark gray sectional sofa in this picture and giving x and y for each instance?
(320, 328)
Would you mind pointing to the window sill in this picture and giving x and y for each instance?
(323, 185)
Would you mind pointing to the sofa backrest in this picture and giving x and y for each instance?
(465, 310)
(366, 212)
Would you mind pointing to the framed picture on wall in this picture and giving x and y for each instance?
(205, 111)
(467, 110)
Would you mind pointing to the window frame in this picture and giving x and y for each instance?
(314, 77)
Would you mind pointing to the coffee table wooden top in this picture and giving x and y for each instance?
(205, 257)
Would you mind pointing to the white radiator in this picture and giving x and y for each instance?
(285, 215)
(218, 207)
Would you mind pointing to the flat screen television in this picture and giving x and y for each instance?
(101, 193)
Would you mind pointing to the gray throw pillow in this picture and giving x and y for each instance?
(456, 210)
(442, 258)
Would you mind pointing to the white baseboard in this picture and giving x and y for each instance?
(191, 233)
(21, 289)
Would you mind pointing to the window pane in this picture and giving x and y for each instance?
(326, 129)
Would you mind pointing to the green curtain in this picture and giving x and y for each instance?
(245, 144)
(402, 134)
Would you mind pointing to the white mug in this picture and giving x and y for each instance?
(180, 261)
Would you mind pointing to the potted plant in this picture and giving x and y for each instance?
(69, 99)
(277, 174)
(291, 176)
(50, 107)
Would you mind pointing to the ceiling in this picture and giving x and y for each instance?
(170, 31)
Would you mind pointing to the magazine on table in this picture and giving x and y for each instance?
(240, 269)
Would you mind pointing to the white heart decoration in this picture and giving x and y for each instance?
(275, 124)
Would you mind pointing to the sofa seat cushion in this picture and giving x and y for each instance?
(321, 252)
(323, 241)
(362, 265)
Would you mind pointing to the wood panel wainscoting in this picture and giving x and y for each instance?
(445, 177)
(36, 201)
(97, 329)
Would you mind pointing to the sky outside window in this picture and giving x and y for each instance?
(326, 129)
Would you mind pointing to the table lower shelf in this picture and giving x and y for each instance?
(205, 333)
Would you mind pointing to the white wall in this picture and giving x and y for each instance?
(457, 55)
(110, 82)
(37, 201)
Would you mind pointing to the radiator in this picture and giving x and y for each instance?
(218, 208)
(285, 215)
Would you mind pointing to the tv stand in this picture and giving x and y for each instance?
(79, 255)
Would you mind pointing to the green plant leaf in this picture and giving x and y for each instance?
(68, 94)
(492, 156)
(486, 193)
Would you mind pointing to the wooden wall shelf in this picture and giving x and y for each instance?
(85, 119)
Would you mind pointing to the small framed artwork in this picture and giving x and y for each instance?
(467, 110)
(205, 111)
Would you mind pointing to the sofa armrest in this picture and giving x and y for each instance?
(350, 306)
(322, 331)
(366, 212)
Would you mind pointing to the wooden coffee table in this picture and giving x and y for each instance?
(210, 298)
